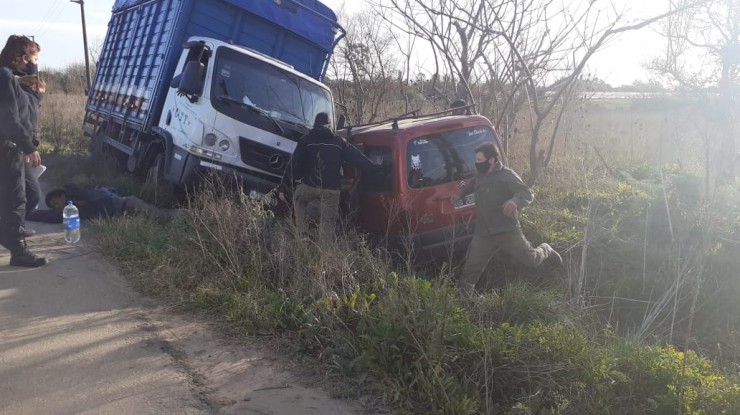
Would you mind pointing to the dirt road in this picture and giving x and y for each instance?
(74, 339)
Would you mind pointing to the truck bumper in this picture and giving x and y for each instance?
(186, 169)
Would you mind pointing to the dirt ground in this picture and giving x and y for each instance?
(75, 339)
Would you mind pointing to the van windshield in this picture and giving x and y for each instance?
(445, 157)
(259, 94)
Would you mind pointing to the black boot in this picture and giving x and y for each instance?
(20, 256)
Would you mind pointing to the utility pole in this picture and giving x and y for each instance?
(84, 41)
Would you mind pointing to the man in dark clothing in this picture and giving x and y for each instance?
(316, 165)
(16, 148)
(93, 203)
(499, 194)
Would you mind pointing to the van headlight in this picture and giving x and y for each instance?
(225, 145)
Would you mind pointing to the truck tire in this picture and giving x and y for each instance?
(155, 172)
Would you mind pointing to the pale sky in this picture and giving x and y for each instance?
(56, 26)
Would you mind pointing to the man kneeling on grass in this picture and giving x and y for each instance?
(95, 203)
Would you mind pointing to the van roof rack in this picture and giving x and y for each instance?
(415, 114)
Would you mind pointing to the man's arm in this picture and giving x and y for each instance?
(45, 215)
(354, 156)
(10, 122)
(295, 167)
(523, 195)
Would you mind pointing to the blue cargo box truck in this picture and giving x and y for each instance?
(187, 86)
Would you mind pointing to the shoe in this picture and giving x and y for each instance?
(24, 258)
(28, 232)
(552, 254)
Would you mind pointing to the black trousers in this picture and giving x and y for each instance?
(33, 189)
(12, 195)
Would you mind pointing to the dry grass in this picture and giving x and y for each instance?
(60, 123)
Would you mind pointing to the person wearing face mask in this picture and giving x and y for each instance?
(34, 87)
(499, 194)
(16, 148)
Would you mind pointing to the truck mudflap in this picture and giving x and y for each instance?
(433, 246)
(186, 169)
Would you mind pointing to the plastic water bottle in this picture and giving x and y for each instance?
(71, 217)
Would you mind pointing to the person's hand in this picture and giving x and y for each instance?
(510, 208)
(281, 196)
(34, 159)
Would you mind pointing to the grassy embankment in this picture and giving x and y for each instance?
(642, 319)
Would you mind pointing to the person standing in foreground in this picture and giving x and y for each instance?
(499, 194)
(34, 87)
(16, 148)
(316, 165)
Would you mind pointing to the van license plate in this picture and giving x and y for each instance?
(465, 202)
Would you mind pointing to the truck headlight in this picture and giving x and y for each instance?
(210, 139)
(225, 145)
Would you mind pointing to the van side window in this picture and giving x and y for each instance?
(380, 180)
(444, 157)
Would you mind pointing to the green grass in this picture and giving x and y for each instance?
(589, 338)
(517, 349)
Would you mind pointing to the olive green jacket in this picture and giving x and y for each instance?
(492, 190)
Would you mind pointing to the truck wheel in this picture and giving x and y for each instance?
(155, 173)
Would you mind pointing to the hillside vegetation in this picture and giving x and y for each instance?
(643, 318)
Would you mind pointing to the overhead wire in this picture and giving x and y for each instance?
(48, 24)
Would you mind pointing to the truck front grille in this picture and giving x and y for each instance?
(263, 157)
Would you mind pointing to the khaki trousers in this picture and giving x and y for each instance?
(328, 210)
(483, 248)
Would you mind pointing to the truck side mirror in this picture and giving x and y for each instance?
(341, 121)
(191, 82)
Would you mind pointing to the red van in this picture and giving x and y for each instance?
(413, 200)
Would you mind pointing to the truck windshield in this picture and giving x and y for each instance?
(253, 91)
(445, 157)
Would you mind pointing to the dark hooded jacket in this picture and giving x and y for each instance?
(15, 120)
(93, 203)
(34, 102)
(317, 160)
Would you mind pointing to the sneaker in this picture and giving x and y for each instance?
(24, 258)
(552, 254)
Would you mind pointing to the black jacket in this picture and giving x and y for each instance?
(34, 102)
(93, 203)
(15, 117)
(317, 160)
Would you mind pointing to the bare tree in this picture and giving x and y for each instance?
(702, 54)
(365, 69)
(520, 54)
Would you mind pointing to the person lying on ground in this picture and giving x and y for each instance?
(96, 203)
